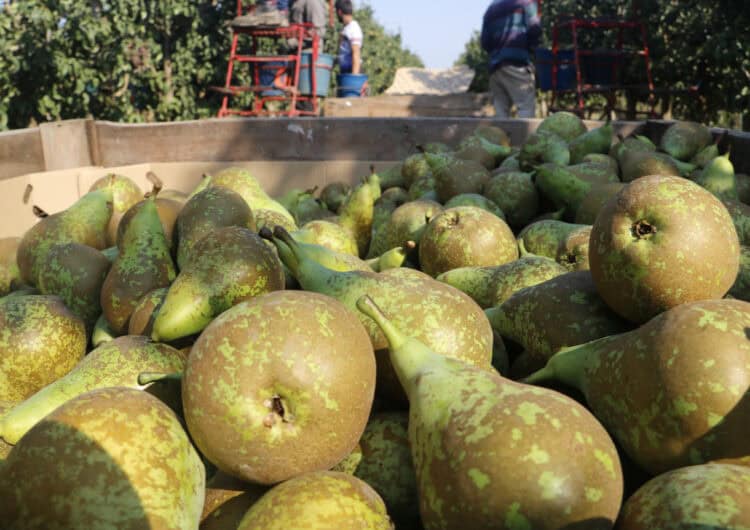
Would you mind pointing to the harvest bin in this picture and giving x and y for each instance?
(54, 164)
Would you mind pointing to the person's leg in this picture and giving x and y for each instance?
(500, 97)
(521, 85)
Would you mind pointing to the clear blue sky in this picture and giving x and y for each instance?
(436, 30)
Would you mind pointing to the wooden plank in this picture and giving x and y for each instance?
(65, 144)
(20, 153)
(453, 105)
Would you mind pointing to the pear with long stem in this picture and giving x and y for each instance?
(491, 453)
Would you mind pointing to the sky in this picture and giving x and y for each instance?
(436, 30)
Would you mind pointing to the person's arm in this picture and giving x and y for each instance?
(486, 37)
(534, 32)
(356, 58)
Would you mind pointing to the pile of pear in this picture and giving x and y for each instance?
(541, 334)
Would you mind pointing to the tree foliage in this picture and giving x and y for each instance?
(134, 60)
(691, 42)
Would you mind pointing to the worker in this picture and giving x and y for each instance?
(510, 31)
(314, 12)
(350, 40)
(265, 13)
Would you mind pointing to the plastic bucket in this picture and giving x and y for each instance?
(273, 73)
(351, 85)
(322, 74)
(566, 71)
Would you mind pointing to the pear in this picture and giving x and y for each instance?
(703, 157)
(454, 176)
(272, 219)
(413, 168)
(350, 462)
(144, 264)
(331, 259)
(516, 195)
(671, 392)
(604, 160)
(660, 242)
(705, 496)
(9, 273)
(740, 213)
(566, 243)
(594, 201)
(635, 143)
(125, 193)
(279, 385)
(635, 164)
(424, 188)
(541, 147)
(205, 212)
(441, 316)
(328, 234)
(566, 187)
(509, 164)
(563, 311)
(356, 213)
(142, 319)
(115, 363)
(465, 236)
(491, 286)
(437, 148)
(391, 199)
(597, 140)
(41, 341)
(227, 501)
(109, 458)
(741, 287)
(309, 208)
(491, 453)
(292, 196)
(243, 182)
(334, 194)
(84, 222)
(325, 500)
(564, 124)
(75, 273)
(229, 266)
(391, 177)
(167, 209)
(493, 134)
(5, 448)
(476, 200)
(396, 257)
(684, 139)
(718, 178)
(477, 147)
(406, 223)
(387, 466)
(102, 332)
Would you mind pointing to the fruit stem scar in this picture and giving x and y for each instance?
(643, 229)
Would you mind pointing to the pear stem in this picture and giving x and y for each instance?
(395, 338)
(145, 378)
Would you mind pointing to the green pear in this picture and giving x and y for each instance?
(509, 164)
(334, 194)
(631, 143)
(718, 178)
(441, 316)
(350, 462)
(167, 209)
(115, 363)
(205, 212)
(465, 236)
(491, 453)
(594, 201)
(740, 213)
(143, 264)
(476, 200)
(41, 340)
(279, 385)
(109, 458)
(642, 385)
(516, 195)
(227, 500)
(424, 188)
(309, 208)
(597, 140)
(331, 259)
(566, 243)
(356, 213)
(741, 287)
(272, 219)
(406, 223)
(684, 139)
(636, 164)
(391, 259)
(243, 182)
(491, 286)
(703, 157)
(454, 176)
(290, 198)
(125, 193)
(84, 222)
(660, 242)
(328, 234)
(230, 265)
(605, 160)
(391, 177)
(387, 465)
(563, 311)
(541, 147)
(566, 187)
(493, 134)
(5, 448)
(102, 332)
(391, 199)
(319, 501)
(482, 150)
(9, 272)
(75, 273)
(705, 496)
(564, 124)
(413, 168)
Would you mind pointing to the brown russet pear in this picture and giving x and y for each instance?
(683, 139)
(323, 500)
(143, 264)
(491, 453)
(454, 176)
(167, 209)
(41, 340)
(660, 242)
(109, 458)
(142, 319)
(595, 200)
(279, 385)
(673, 392)
(406, 223)
(516, 195)
(566, 243)
(227, 500)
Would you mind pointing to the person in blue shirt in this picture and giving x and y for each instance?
(510, 30)
(350, 40)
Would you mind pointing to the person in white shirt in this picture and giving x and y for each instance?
(350, 41)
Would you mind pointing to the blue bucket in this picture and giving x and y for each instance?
(350, 85)
(566, 71)
(273, 73)
(322, 74)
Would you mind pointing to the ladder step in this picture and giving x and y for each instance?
(263, 58)
(234, 90)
